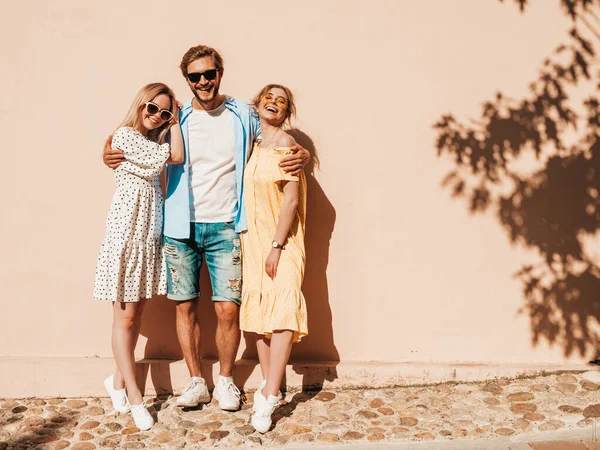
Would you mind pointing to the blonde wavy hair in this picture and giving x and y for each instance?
(148, 93)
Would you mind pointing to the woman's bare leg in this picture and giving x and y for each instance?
(125, 332)
(279, 355)
(119, 382)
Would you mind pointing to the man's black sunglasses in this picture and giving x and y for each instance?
(208, 74)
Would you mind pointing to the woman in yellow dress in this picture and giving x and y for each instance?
(273, 254)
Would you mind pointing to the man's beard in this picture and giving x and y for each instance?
(213, 95)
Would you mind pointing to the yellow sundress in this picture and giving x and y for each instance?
(278, 304)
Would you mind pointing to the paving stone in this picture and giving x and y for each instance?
(95, 411)
(164, 437)
(325, 396)
(492, 401)
(219, 434)
(295, 429)
(114, 426)
(77, 404)
(568, 409)
(328, 437)
(520, 397)
(534, 417)
(493, 388)
(90, 425)
(368, 414)
(523, 424)
(589, 386)
(376, 403)
(592, 411)
(131, 430)
(60, 445)
(566, 388)
(318, 420)
(187, 424)
(134, 445)
(552, 425)
(180, 432)
(505, 431)
(408, 421)
(111, 441)
(352, 435)
(207, 427)
(520, 408)
(585, 423)
(376, 437)
(245, 430)
(566, 379)
(83, 446)
(85, 436)
(194, 438)
(426, 436)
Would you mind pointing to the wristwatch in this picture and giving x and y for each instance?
(278, 245)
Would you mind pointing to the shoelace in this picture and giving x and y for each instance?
(191, 385)
(233, 388)
(268, 411)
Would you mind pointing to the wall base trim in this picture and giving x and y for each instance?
(23, 377)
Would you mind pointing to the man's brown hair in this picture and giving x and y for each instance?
(197, 52)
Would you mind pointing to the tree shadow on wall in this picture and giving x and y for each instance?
(552, 205)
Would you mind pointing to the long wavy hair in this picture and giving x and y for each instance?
(148, 93)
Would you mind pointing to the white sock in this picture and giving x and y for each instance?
(197, 379)
(226, 379)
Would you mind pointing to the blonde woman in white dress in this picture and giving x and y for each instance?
(131, 264)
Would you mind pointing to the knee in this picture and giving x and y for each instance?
(186, 311)
(228, 314)
(125, 321)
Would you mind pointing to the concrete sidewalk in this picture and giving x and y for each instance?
(550, 412)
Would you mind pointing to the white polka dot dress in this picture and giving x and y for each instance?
(131, 264)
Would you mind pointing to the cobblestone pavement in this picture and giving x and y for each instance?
(442, 412)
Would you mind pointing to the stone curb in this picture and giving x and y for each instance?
(591, 434)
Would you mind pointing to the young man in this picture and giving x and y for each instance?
(204, 212)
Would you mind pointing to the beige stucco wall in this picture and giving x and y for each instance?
(397, 271)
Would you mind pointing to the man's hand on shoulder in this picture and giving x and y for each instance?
(294, 163)
(112, 158)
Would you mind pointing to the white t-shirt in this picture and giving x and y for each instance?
(212, 165)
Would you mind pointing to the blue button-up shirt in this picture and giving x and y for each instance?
(246, 127)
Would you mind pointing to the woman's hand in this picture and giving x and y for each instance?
(272, 262)
(175, 119)
(112, 158)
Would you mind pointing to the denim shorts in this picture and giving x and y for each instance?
(220, 246)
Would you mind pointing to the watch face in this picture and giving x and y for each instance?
(275, 244)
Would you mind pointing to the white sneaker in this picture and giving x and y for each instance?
(227, 394)
(119, 398)
(263, 383)
(194, 393)
(261, 419)
(141, 416)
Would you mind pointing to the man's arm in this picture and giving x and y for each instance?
(112, 158)
(293, 164)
